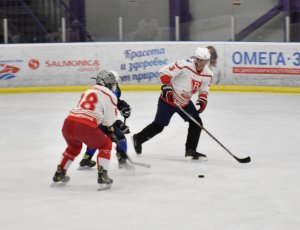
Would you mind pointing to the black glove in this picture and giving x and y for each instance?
(121, 126)
(124, 108)
(105, 129)
(167, 92)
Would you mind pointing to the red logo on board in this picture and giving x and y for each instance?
(34, 64)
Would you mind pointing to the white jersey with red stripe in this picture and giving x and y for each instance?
(186, 81)
(97, 105)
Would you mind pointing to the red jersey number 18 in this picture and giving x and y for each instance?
(88, 103)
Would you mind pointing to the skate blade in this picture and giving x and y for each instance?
(188, 159)
(191, 159)
(103, 187)
(202, 159)
(58, 184)
(85, 168)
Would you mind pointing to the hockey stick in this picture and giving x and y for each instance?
(144, 165)
(241, 160)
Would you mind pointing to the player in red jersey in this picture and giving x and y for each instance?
(98, 105)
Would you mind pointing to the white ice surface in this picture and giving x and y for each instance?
(264, 194)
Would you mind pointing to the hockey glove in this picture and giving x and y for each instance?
(109, 131)
(105, 129)
(202, 102)
(167, 92)
(121, 126)
(124, 108)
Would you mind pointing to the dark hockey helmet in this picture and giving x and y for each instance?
(107, 78)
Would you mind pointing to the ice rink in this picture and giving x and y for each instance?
(264, 194)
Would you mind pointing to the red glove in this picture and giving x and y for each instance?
(167, 92)
(202, 101)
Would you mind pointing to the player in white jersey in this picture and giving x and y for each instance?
(180, 81)
(116, 135)
(97, 105)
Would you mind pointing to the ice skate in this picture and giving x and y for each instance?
(191, 154)
(104, 182)
(137, 145)
(123, 164)
(125, 167)
(60, 176)
(87, 161)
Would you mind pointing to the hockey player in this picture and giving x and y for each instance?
(98, 105)
(116, 135)
(180, 81)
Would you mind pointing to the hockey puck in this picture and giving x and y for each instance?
(201, 176)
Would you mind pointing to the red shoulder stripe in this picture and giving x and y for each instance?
(199, 74)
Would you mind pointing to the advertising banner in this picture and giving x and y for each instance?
(73, 64)
(263, 64)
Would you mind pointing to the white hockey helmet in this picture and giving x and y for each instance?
(202, 53)
(107, 79)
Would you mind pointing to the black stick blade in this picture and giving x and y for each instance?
(243, 160)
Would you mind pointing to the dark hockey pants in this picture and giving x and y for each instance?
(162, 119)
